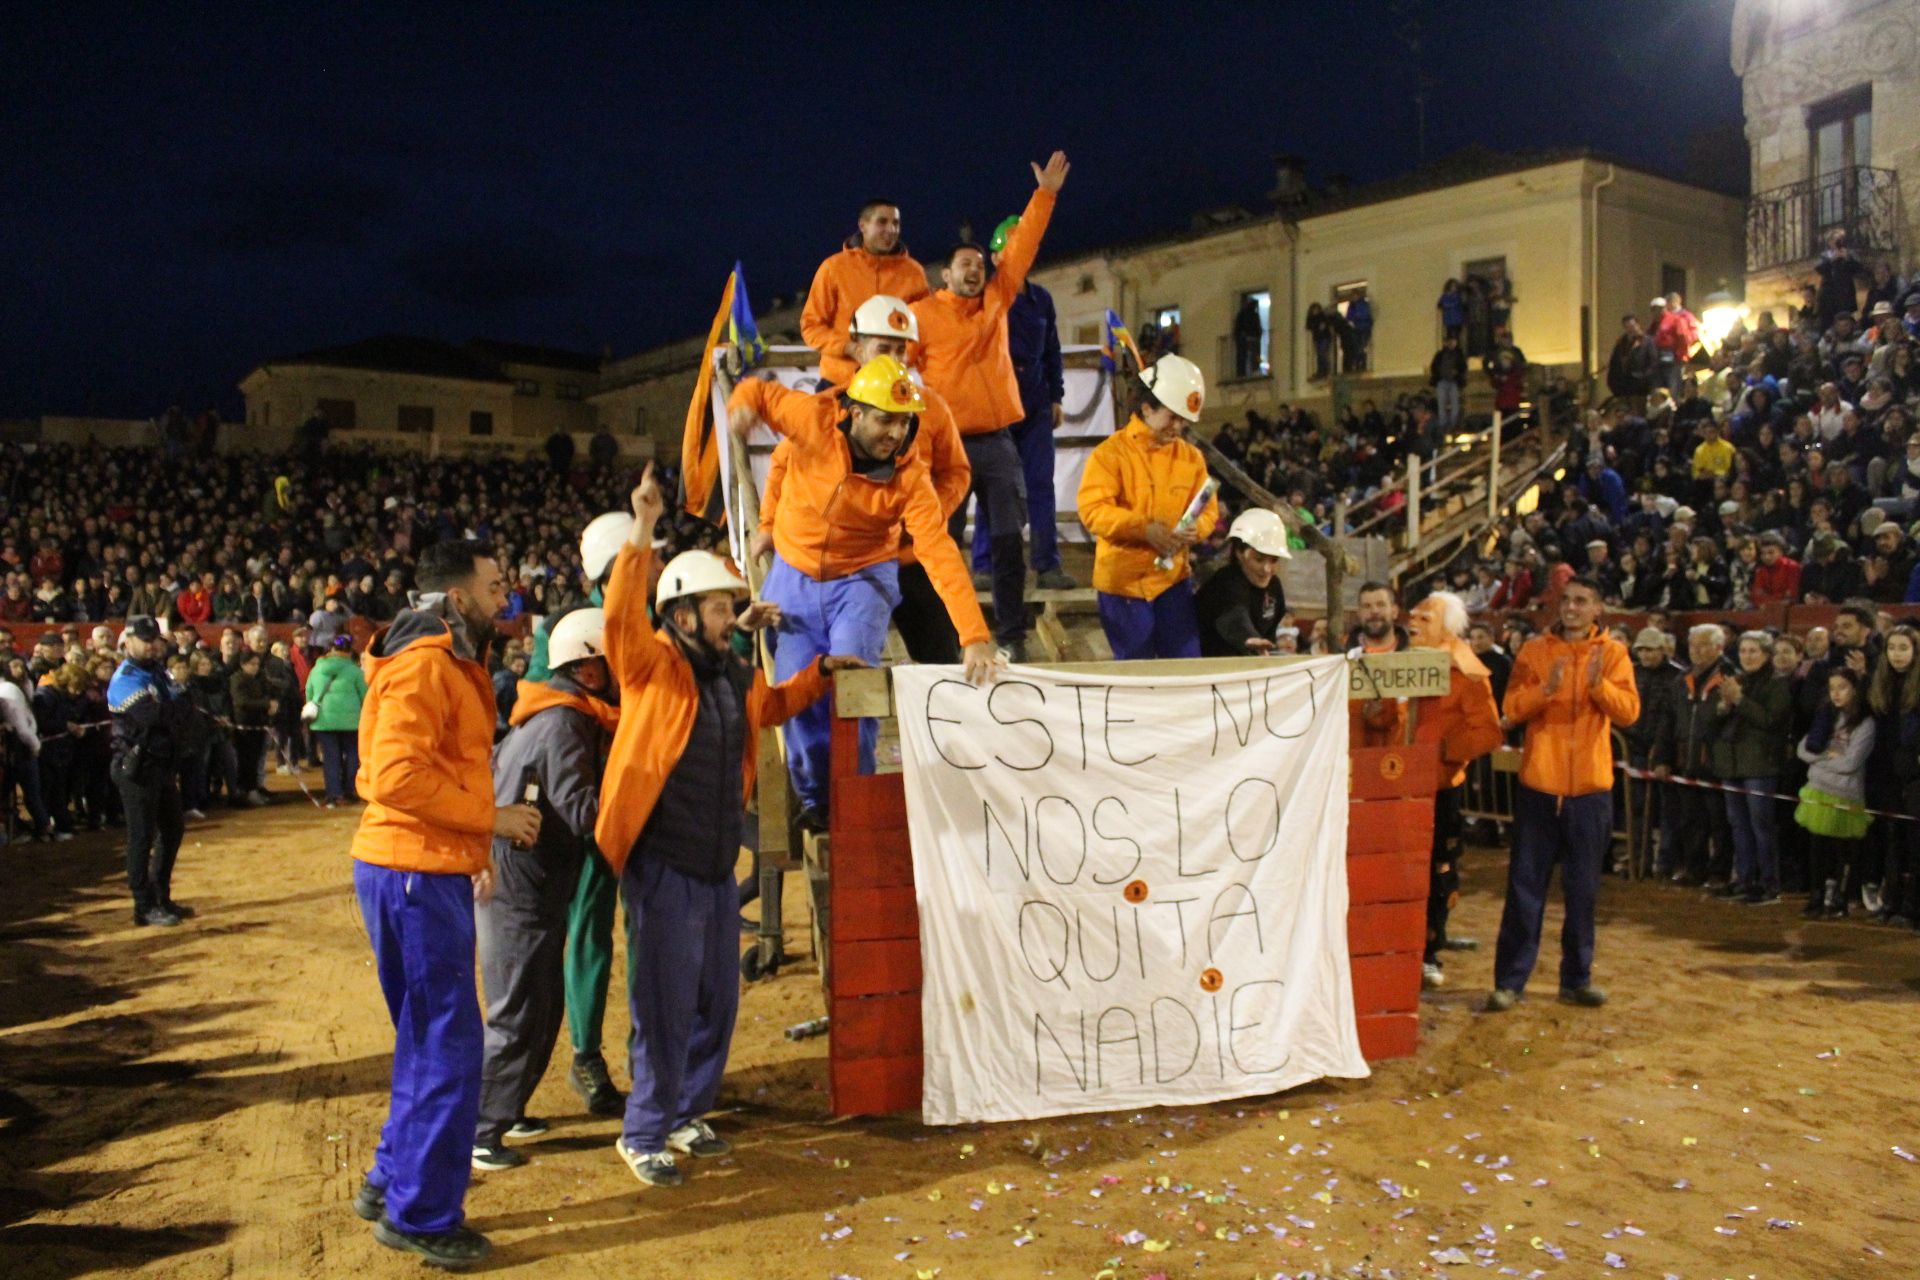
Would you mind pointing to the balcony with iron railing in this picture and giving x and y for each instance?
(1790, 224)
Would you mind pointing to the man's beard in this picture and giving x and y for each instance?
(480, 629)
(1374, 628)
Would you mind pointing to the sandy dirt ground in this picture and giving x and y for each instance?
(201, 1101)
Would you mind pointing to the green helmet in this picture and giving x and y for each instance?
(1001, 232)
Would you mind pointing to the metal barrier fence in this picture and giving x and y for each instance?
(1489, 791)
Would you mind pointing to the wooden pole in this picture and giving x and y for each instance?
(1493, 471)
(1336, 583)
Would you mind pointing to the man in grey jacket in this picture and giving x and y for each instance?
(552, 756)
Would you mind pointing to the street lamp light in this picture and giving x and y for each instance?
(1722, 312)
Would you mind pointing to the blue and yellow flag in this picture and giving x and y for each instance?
(741, 330)
(1118, 336)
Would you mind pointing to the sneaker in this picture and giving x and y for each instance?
(589, 1079)
(813, 818)
(454, 1250)
(156, 915)
(697, 1138)
(1499, 1000)
(180, 909)
(283, 771)
(1716, 886)
(528, 1127)
(1731, 889)
(1899, 921)
(1685, 879)
(1015, 653)
(1871, 900)
(196, 814)
(333, 804)
(1459, 944)
(1432, 977)
(370, 1202)
(1758, 897)
(496, 1155)
(1588, 997)
(656, 1169)
(1057, 580)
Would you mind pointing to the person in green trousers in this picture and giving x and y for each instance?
(589, 956)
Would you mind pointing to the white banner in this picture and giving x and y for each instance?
(1132, 889)
(1088, 413)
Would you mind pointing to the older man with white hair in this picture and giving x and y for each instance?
(1465, 725)
(1687, 752)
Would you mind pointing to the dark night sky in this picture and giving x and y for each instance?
(185, 191)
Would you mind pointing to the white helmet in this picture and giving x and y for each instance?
(1262, 530)
(601, 541)
(579, 634)
(694, 573)
(1176, 383)
(885, 316)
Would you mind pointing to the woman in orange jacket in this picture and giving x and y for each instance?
(1139, 484)
(1571, 687)
(670, 824)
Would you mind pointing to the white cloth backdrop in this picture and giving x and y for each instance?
(1089, 414)
(1132, 889)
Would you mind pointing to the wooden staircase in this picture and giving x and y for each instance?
(1439, 506)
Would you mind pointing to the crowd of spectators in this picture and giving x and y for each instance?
(220, 547)
(93, 535)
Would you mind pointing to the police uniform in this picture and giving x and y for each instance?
(149, 725)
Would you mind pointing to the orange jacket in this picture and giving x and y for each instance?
(658, 703)
(963, 341)
(1569, 747)
(842, 283)
(426, 742)
(1127, 485)
(1463, 722)
(952, 473)
(830, 522)
(535, 696)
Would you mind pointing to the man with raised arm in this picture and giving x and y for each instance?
(964, 352)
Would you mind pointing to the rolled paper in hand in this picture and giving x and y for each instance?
(1192, 517)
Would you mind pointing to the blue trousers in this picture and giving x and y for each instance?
(1575, 833)
(684, 934)
(1756, 849)
(1163, 627)
(339, 762)
(846, 616)
(1033, 436)
(421, 927)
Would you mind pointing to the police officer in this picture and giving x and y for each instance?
(149, 723)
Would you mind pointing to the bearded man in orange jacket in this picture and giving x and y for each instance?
(855, 481)
(670, 821)
(421, 856)
(884, 326)
(964, 353)
(1571, 687)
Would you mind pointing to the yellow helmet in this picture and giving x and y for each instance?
(884, 383)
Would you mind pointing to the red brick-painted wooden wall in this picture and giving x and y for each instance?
(873, 926)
